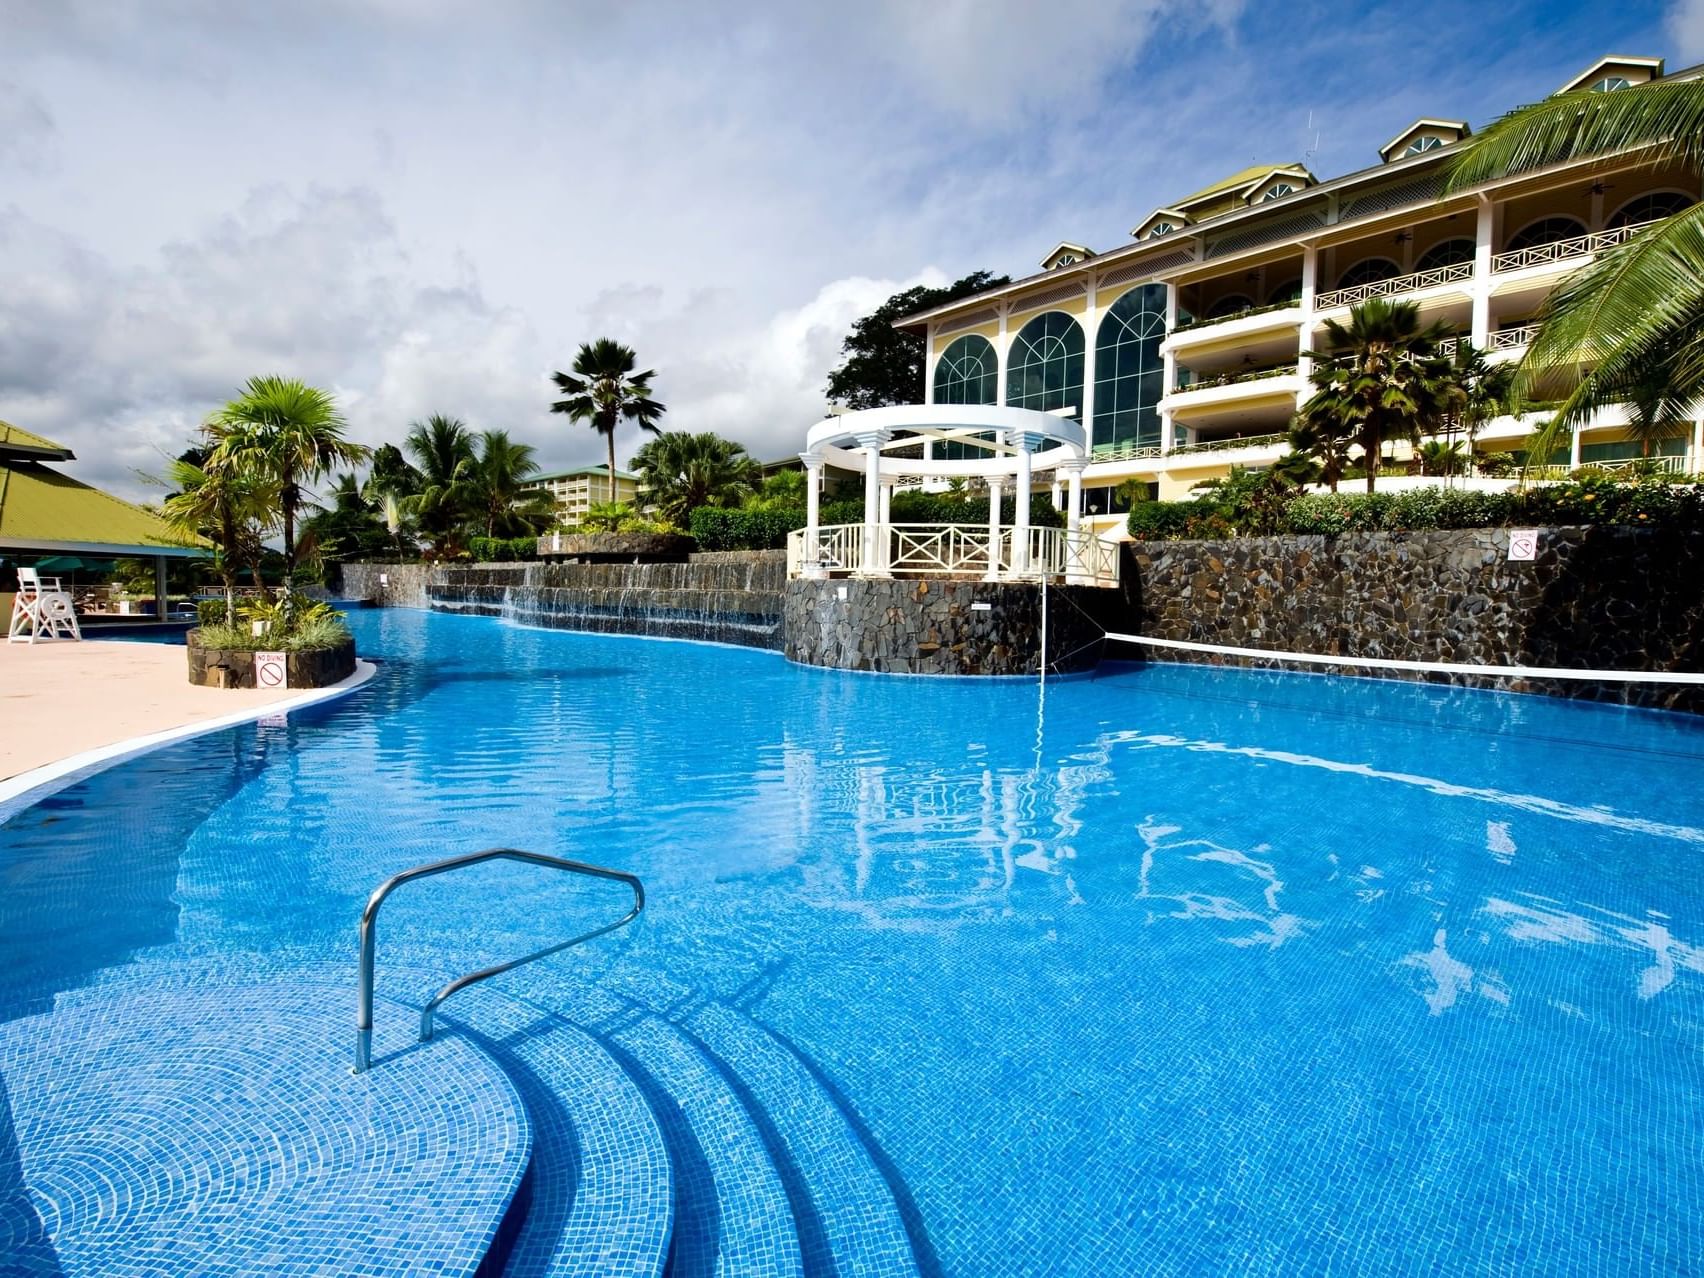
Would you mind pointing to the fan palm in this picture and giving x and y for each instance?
(1380, 379)
(284, 433)
(444, 461)
(1634, 317)
(681, 471)
(604, 391)
(1480, 391)
(229, 507)
(499, 487)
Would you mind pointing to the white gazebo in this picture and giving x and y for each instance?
(894, 447)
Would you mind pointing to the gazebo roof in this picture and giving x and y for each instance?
(17, 444)
(43, 510)
(992, 429)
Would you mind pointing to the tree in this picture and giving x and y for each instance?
(604, 391)
(228, 506)
(1632, 322)
(499, 489)
(884, 365)
(1480, 391)
(391, 475)
(284, 433)
(1380, 380)
(444, 460)
(680, 472)
(350, 525)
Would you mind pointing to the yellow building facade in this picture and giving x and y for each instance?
(1185, 352)
(574, 491)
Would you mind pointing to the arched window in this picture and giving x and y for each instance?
(1648, 208)
(1286, 294)
(1610, 83)
(1277, 192)
(1425, 142)
(1547, 230)
(1129, 374)
(1160, 228)
(1044, 369)
(1228, 305)
(1446, 253)
(1368, 271)
(967, 372)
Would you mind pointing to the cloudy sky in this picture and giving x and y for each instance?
(427, 205)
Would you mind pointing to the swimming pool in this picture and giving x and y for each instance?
(1172, 970)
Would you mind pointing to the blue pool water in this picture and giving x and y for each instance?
(1173, 971)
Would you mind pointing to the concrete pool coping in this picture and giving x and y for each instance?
(28, 787)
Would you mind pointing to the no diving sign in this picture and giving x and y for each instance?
(1523, 543)
(272, 670)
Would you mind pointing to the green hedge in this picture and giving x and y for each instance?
(1586, 501)
(717, 529)
(502, 550)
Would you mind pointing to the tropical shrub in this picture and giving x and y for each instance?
(717, 528)
(212, 612)
(501, 550)
(1160, 520)
(317, 635)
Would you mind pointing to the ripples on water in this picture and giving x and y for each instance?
(1172, 970)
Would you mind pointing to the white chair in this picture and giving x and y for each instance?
(42, 609)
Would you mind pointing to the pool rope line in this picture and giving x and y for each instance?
(1427, 667)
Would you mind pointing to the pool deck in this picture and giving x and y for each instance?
(63, 699)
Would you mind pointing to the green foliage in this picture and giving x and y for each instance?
(1496, 465)
(618, 517)
(681, 471)
(717, 528)
(784, 490)
(604, 390)
(1161, 520)
(884, 365)
(212, 612)
(439, 507)
(499, 491)
(309, 636)
(502, 550)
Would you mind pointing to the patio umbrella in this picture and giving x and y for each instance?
(68, 563)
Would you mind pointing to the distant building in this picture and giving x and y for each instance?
(574, 490)
(1186, 351)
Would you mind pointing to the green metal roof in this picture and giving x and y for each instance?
(41, 509)
(1242, 177)
(602, 472)
(15, 442)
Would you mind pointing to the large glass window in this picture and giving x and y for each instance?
(1547, 230)
(1044, 369)
(1129, 374)
(1368, 271)
(968, 372)
(1648, 208)
(1448, 253)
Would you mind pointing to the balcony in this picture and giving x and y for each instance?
(1127, 450)
(1564, 250)
(1416, 281)
(1516, 338)
(1231, 444)
(1243, 323)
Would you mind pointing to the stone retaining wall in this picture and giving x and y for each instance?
(229, 668)
(935, 627)
(406, 587)
(1612, 598)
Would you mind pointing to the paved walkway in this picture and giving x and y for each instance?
(58, 699)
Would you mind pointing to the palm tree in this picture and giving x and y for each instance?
(1480, 391)
(1315, 457)
(1380, 380)
(444, 461)
(499, 487)
(286, 433)
(681, 471)
(228, 506)
(604, 391)
(1633, 318)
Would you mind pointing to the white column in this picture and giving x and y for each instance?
(1310, 289)
(875, 531)
(1696, 465)
(1573, 450)
(162, 609)
(1480, 290)
(887, 500)
(1055, 493)
(812, 566)
(993, 529)
(1168, 372)
(1000, 344)
(1091, 321)
(1073, 517)
(1020, 505)
(929, 354)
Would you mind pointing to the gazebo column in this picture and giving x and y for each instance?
(1021, 507)
(162, 608)
(874, 559)
(1073, 469)
(812, 565)
(993, 528)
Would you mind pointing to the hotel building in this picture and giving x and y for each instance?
(574, 491)
(1185, 352)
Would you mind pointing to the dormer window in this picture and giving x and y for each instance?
(1425, 142)
(1277, 192)
(1065, 259)
(1159, 229)
(1610, 83)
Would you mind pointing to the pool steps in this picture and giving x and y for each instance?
(670, 1135)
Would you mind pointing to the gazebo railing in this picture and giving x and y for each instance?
(953, 550)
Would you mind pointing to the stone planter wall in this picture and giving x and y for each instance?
(1613, 598)
(406, 587)
(933, 626)
(628, 548)
(228, 668)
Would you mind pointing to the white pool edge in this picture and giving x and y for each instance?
(19, 792)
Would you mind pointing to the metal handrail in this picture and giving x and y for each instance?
(370, 917)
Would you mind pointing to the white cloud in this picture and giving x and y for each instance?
(1685, 23)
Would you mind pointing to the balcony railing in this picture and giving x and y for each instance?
(1562, 250)
(1125, 450)
(954, 550)
(1438, 276)
(1207, 321)
(1235, 441)
(1664, 464)
(1513, 339)
(1187, 381)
